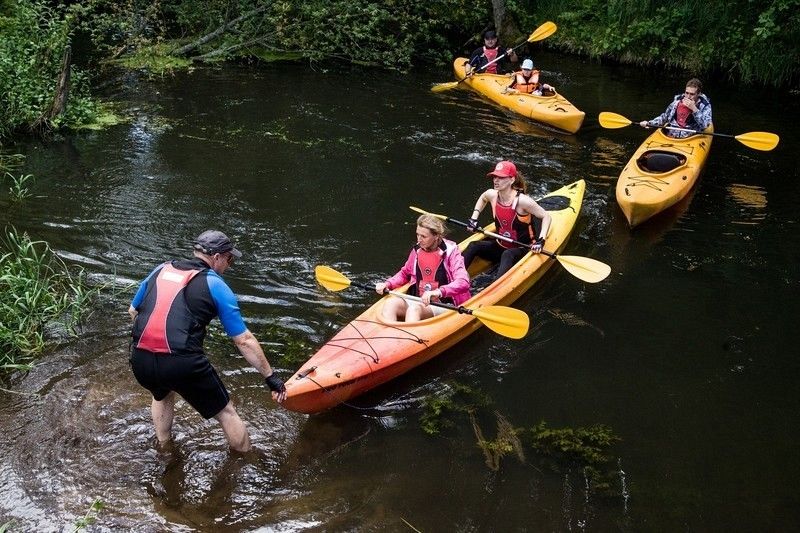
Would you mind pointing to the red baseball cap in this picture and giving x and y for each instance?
(504, 169)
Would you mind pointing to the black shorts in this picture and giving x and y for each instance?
(191, 376)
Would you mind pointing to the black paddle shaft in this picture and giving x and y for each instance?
(512, 241)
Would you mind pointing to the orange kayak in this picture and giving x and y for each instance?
(554, 110)
(660, 174)
(370, 351)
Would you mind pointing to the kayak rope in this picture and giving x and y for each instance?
(647, 181)
(686, 149)
(368, 356)
(374, 355)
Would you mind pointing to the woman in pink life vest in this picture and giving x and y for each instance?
(436, 271)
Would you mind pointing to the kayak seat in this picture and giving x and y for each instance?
(658, 161)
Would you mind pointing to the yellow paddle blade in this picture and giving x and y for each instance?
(423, 212)
(330, 278)
(759, 140)
(585, 268)
(543, 32)
(446, 86)
(506, 321)
(612, 120)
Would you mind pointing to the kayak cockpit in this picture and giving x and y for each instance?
(660, 161)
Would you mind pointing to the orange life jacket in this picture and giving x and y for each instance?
(526, 85)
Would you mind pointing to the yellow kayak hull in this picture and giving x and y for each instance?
(660, 174)
(554, 110)
(370, 351)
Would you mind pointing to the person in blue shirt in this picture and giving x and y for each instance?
(171, 311)
(690, 110)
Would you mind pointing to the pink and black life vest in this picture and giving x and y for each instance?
(431, 273)
(509, 223)
(165, 324)
(490, 54)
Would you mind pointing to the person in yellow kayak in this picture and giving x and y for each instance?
(527, 81)
(483, 58)
(436, 271)
(690, 110)
(514, 216)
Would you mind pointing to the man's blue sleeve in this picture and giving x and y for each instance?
(227, 306)
(137, 299)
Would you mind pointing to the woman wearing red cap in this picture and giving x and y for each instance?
(514, 213)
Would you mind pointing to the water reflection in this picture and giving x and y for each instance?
(753, 202)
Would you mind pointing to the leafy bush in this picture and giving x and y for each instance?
(755, 42)
(35, 37)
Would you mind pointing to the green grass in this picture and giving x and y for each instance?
(36, 289)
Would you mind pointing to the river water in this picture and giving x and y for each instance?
(687, 351)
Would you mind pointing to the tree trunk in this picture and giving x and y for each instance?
(182, 51)
(506, 27)
(59, 104)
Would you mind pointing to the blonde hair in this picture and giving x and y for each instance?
(433, 224)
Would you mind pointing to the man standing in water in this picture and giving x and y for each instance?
(171, 311)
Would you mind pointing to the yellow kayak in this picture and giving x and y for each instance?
(554, 110)
(660, 173)
(370, 351)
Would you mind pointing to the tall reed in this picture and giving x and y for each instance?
(37, 289)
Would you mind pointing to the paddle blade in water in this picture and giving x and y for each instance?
(506, 321)
(612, 120)
(330, 278)
(543, 32)
(585, 268)
(759, 140)
(441, 87)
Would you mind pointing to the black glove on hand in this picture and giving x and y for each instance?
(472, 225)
(275, 383)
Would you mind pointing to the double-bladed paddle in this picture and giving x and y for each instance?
(584, 268)
(757, 140)
(542, 32)
(506, 321)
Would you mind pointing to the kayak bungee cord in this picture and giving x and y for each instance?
(647, 181)
(374, 356)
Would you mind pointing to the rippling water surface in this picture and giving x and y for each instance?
(687, 351)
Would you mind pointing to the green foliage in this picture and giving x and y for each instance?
(506, 442)
(19, 186)
(583, 445)
(9, 162)
(90, 517)
(36, 289)
(750, 40)
(390, 34)
(154, 59)
(31, 51)
(456, 398)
